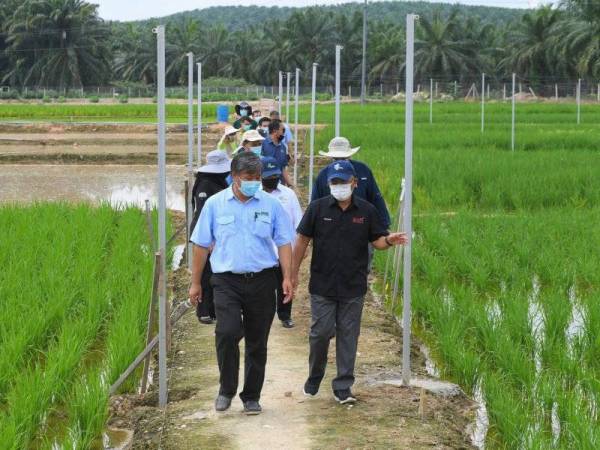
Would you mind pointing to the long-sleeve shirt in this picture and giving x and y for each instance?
(367, 189)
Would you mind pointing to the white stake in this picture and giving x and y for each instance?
(556, 91)
(288, 75)
(482, 102)
(162, 217)
(578, 101)
(338, 51)
(431, 100)
(199, 114)
(512, 127)
(598, 93)
(280, 92)
(190, 111)
(297, 98)
(312, 130)
(408, 147)
(504, 92)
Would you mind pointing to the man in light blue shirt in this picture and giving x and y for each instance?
(249, 234)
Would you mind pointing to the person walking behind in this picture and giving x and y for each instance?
(251, 142)
(288, 136)
(274, 147)
(263, 126)
(228, 141)
(288, 199)
(243, 226)
(341, 227)
(211, 178)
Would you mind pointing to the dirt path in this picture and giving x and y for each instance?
(386, 416)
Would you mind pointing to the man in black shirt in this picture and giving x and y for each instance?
(341, 226)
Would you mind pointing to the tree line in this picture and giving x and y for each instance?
(65, 44)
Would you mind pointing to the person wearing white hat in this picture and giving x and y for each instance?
(251, 142)
(211, 178)
(340, 149)
(228, 141)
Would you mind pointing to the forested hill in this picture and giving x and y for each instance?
(241, 17)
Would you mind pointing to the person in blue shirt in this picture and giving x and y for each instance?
(274, 147)
(288, 136)
(367, 189)
(250, 237)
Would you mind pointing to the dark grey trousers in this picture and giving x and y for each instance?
(339, 317)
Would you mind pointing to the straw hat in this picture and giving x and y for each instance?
(230, 130)
(339, 147)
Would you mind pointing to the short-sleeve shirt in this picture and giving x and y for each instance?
(340, 245)
(277, 151)
(245, 234)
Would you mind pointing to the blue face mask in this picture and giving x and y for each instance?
(249, 188)
(243, 112)
(256, 150)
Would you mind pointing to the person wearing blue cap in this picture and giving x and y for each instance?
(341, 226)
(272, 185)
(249, 234)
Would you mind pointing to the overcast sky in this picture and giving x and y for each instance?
(143, 9)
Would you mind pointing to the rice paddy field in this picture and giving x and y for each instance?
(75, 286)
(506, 257)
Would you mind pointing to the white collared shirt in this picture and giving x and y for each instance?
(289, 200)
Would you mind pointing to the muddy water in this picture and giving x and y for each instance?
(117, 184)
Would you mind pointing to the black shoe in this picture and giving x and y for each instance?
(207, 320)
(222, 403)
(310, 390)
(289, 323)
(252, 408)
(344, 396)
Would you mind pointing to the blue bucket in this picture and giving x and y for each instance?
(222, 113)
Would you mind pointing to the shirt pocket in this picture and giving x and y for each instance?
(263, 227)
(225, 226)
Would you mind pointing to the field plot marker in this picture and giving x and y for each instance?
(190, 183)
(280, 91)
(431, 100)
(288, 75)
(482, 102)
(163, 314)
(338, 51)
(408, 148)
(312, 130)
(512, 127)
(297, 98)
(199, 114)
(578, 101)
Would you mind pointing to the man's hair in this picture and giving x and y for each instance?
(263, 120)
(246, 162)
(274, 113)
(274, 125)
(246, 119)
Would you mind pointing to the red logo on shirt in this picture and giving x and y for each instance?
(358, 220)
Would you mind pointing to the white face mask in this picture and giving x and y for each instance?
(341, 192)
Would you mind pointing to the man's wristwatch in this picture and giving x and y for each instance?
(388, 242)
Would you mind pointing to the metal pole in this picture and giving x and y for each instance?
(504, 92)
(598, 93)
(199, 114)
(482, 102)
(162, 217)
(578, 101)
(512, 127)
(556, 91)
(188, 185)
(288, 75)
(312, 130)
(190, 111)
(297, 99)
(280, 91)
(431, 100)
(363, 80)
(338, 50)
(408, 147)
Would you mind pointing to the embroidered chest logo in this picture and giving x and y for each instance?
(327, 219)
(258, 214)
(359, 220)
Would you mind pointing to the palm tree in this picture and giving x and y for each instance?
(57, 43)
(217, 51)
(182, 37)
(531, 51)
(135, 54)
(387, 51)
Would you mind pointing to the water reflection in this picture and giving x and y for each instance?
(117, 184)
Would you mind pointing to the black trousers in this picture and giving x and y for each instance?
(284, 311)
(206, 308)
(245, 308)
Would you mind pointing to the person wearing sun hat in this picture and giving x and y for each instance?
(340, 149)
(228, 141)
(272, 185)
(341, 226)
(251, 142)
(244, 110)
(211, 178)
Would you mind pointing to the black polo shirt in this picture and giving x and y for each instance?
(340, 245)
